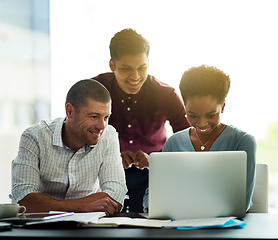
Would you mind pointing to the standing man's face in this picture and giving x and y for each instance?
(131, 72)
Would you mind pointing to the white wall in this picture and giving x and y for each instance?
(238, 37)
(24, 77)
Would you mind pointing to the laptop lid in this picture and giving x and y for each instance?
(197, 184)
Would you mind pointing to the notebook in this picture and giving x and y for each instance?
(186, 185)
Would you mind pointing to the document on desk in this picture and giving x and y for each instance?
(127, 221)
(219, 222)
(83, 218)
(97, 219)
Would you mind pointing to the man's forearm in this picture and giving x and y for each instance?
(35, 202)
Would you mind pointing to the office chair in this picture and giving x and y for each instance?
(260, 195)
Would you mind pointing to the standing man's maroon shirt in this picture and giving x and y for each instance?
(140, 121)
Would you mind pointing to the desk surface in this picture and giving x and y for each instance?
(259, 226)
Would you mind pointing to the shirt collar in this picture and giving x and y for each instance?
(57, 136)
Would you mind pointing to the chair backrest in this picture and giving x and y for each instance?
(260, 196)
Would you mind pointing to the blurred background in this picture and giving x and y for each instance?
(48, 45)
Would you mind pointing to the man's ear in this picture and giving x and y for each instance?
(223, 106)
(69, 110)
(111, 65)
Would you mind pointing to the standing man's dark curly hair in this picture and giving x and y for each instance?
(128, 41)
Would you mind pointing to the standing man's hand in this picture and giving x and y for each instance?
(128, 158)
(140, 159)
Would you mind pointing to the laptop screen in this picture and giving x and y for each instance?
(197, 184)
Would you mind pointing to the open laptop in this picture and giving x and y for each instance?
(186, 185)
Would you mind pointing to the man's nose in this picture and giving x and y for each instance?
(134, 74)
(102, 123)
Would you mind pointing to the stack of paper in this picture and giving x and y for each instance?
(97, 219)
(221, 222)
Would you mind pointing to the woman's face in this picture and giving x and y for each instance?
(203, 113)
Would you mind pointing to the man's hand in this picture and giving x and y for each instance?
(107, 205)
(97, 202)
(140, 159)
(128, 158)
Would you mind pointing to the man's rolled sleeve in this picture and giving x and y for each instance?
(111, 175)
(116, 188)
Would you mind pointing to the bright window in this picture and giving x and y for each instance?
(239, 37)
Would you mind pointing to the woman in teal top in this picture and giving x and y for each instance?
(204, 90)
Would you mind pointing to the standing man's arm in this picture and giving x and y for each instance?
(176, 112)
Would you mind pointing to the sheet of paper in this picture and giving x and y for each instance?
(199, 222)
(133, 221)
(97, 218)
(85, 218)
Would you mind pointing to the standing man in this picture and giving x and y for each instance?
(141, 105)
(59, 163)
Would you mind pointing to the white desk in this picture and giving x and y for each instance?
(259, 226)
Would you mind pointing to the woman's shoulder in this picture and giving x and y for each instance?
(237, 131)
(234, 139)
(239, 134)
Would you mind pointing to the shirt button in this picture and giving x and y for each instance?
(131, 141)
(129, 125)
(128, 109)
(122, 101)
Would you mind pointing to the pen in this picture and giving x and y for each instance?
(58, 215)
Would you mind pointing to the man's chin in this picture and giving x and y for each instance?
(134, 90)
(93, 141)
